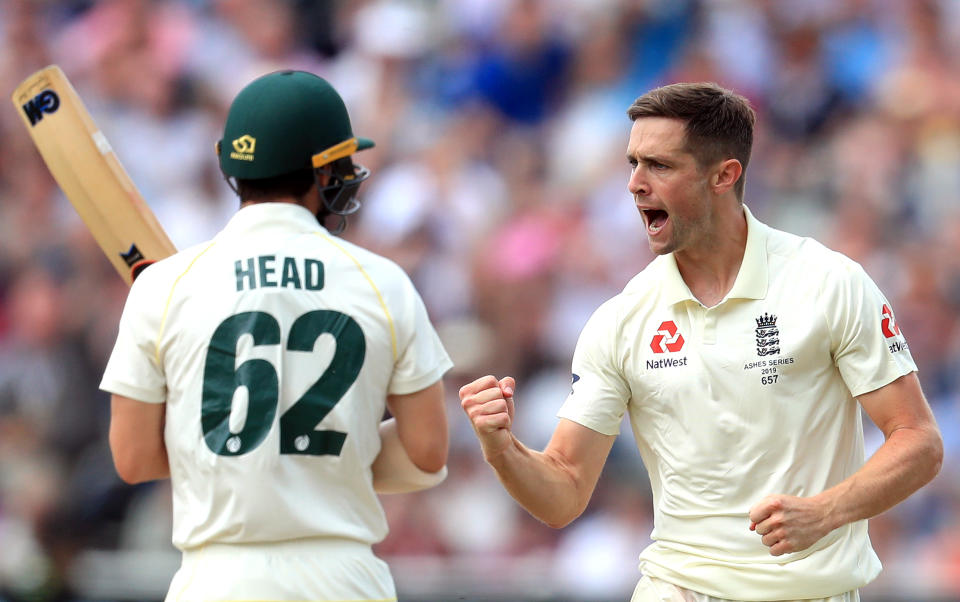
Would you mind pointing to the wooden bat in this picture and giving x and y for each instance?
(84, 165)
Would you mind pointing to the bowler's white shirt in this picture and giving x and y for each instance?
(275, 297)
(728, 404)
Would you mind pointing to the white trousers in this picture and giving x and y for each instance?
(651, 589)
(327, 570)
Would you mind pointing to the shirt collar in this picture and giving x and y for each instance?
(288, 216)
(752, 279)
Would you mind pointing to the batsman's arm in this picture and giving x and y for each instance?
(414, 442)
(136, 439)
(554, 485)
(394, 471)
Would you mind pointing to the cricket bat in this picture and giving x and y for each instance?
(86, 168)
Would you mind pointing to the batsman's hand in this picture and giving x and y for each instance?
(488, 403)
(787, 523)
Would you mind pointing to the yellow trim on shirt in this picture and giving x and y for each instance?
(166, 307)
(383, 304)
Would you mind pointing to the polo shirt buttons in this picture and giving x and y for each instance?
(710, 326)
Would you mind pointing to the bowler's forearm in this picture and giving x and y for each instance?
(543, 484)
(907, 460)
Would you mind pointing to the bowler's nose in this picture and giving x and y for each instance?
(638, 185)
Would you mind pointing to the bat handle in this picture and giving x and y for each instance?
(138, 267)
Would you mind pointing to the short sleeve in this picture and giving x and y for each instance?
(134, 369)
(867, 344)
(600, 393)
(421, 358)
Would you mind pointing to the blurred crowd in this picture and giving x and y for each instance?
(499, 184)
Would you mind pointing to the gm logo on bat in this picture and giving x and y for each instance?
(44, 102)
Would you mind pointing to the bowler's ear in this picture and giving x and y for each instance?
(726, 175)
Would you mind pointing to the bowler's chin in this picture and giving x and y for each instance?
(661, 248)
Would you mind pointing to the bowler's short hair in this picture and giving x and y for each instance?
(718, 122)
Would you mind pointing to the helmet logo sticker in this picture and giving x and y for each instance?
(243, 148)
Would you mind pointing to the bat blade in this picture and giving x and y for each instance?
(87, 170)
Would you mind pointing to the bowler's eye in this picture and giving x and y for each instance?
(633, 163)
(658, 166)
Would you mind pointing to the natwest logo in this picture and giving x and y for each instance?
(667, 339)
(888, 325)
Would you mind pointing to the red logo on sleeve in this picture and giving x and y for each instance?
(668, 338)
(889, 324)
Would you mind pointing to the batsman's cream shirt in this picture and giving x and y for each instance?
(728, 404)
(274, 347)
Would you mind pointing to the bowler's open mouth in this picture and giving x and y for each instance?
(655, 219)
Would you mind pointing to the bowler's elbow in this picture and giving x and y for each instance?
(933, 454)
(560, 522)
(563, 516)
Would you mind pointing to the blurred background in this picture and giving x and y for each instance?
(500, 186)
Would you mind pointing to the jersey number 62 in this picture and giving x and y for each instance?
(298, 432)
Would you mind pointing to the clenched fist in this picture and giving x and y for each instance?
(788, 523)
(488, 403)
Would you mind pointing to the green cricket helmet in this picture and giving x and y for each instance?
(291, 120)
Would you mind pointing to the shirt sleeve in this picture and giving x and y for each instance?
(867, 345)
(421, 358)
(600, 392)
(134, 369)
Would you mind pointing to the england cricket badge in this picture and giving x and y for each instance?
(768, 336)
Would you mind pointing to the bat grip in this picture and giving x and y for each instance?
(138, 267)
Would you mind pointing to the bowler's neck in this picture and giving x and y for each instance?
(710, 268)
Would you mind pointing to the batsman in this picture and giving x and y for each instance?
(254, 370)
